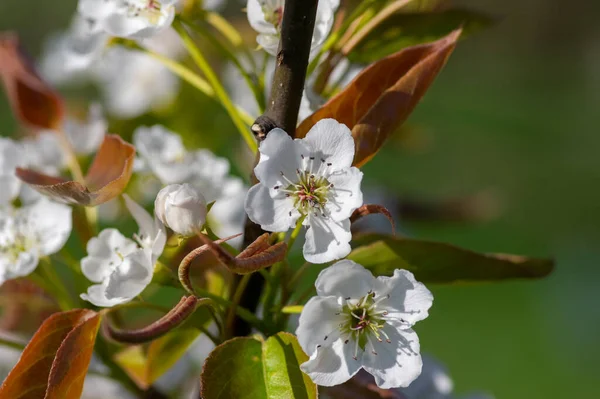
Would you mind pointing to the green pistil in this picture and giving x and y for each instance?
(362, 320)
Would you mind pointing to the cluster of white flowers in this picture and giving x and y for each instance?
(39, 227)
(131, 82)
(162, 153)
(265, 17)
(123, 267)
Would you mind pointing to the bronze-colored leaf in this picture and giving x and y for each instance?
(184, 309)
(383, 95)
(33, 102)
(107, 177)
(259, 255)
(55, 362)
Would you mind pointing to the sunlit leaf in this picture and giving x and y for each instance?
(252, 369)
(107, 177)
(33, 102)
(403, 30)
(55, 362)
(434, 262)
(383, 95)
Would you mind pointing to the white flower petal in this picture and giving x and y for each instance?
(326, 239)
(409, 299)
(143, 219)
(347, 196)
(96, 9)
(396, 364)
(434, 381)
(270, 43)
(317, 321)
(132, 276)
(87, 136)
(104, 252)
(256, 18)
(344, 279)
(279, 154)
(51, 224)
(332, 141)
(332, 365)
(96, 294)
(273, 214)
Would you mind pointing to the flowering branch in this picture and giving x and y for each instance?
(290, 72)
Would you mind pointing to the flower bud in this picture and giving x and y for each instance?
(181, 208)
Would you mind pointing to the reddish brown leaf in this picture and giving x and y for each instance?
(371, 209)
(382, 96)
(107, 177)
(257, 256)
(33, 102)
(184, 309)
(54, 363)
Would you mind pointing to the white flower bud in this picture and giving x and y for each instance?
(181, 208)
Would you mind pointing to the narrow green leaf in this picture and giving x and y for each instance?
(403, 30)
(252, 369)
(434, 262)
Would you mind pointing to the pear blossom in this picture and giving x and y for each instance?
(31, 232)
(68, 56)
(123, 267)
(265, 16)
(136, 19)
(182, 208)
(44, 152)
(359, 322)
(133, 83)
(311, 178)
(11, 157)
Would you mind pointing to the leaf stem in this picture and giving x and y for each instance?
(212, 78)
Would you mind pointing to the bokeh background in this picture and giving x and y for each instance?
(512, 119)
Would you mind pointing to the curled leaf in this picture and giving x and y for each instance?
(371, 209)
(257, 256)
(107, 177)
(383, 95)
(184, 309)
(55, 362)
(33, 102)
(186, 263)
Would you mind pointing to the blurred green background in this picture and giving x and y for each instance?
(514, 112)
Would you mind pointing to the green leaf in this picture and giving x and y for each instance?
(434, 262)
(403, 30)
(252, 369)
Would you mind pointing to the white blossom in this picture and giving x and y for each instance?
(123, 267)
(359, 322)
(130, 18)
(133, 83)
(311, 178)
(101, 387)
(11, 157)
(31, 232)
(68, 55)
(162, 153)
(86, 136)
(182, 208)
(265, 16)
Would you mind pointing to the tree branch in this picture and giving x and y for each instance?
(290, 72)
(282, 111)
